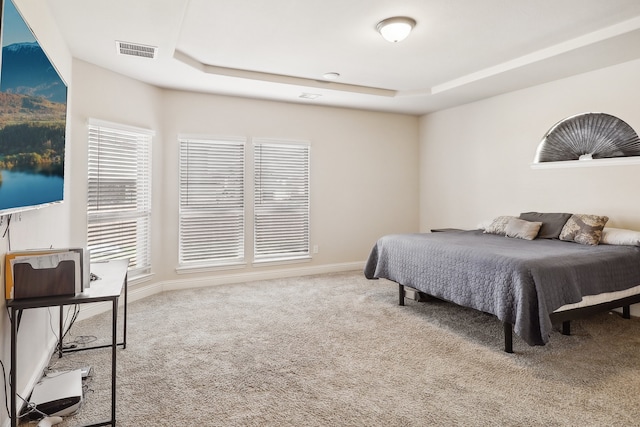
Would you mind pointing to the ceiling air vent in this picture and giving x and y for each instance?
(133, 49)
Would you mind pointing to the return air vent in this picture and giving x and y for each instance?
(133, 49)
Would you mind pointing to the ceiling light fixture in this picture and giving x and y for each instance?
(331, 76)
(396, 29)
(306, 95)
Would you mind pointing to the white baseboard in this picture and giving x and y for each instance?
(260, 275)
(137, 292)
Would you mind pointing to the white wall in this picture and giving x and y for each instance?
(104, 95)
(474, 159)
(364, 169)
(36, 229)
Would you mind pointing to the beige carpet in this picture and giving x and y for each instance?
(337, 350)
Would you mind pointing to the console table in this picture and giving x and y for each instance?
(112, 279)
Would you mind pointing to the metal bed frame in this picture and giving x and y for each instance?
(565, 317)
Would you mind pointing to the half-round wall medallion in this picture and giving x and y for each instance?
(588, 136)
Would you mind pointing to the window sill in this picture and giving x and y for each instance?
(189, 269)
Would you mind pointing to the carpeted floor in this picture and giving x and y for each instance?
(337, 350)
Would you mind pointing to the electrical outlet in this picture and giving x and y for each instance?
(315, 249)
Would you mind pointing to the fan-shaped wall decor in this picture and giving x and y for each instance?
(588, 136)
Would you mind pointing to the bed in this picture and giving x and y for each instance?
(529, 285)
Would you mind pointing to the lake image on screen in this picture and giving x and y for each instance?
(33, 108)
(27, 188)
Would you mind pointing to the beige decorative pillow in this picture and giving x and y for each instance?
(498, 225)
(584, 229)
(521, 229)
(620, 236)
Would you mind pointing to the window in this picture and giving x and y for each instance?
(281, 200)
(119, 195)
(211, 202)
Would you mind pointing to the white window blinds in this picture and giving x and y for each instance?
(281, 200)
(211, 202)
(119, 195)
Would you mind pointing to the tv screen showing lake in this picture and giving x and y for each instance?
(27, 188)
(33, 113)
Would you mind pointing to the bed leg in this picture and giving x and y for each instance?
(400, 294)
(626, 312)
(566, 327)
(508, 337)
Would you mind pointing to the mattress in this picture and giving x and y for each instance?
(589, 300)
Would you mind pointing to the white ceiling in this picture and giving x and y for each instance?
(460, 50)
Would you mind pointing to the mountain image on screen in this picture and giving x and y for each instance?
(29, 72)
(32, 128)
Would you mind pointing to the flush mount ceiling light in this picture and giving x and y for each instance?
(306, 95)
(396, 29)
(331, 76)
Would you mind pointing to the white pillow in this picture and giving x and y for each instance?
(620, 236)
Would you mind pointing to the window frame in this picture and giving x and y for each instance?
(201, 212)
(114, 215)
(302, 206)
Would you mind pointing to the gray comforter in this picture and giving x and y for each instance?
(519, 281)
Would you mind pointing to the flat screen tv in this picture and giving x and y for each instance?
(33, 111)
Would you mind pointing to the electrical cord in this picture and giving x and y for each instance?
(53, 331)
(30, 408)
(80, 339)
(4, 373)
(84, 339)
(6, 233)
(6, 396)
(8, 224)
(76, 311)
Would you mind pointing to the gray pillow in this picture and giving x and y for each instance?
(552, 223)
